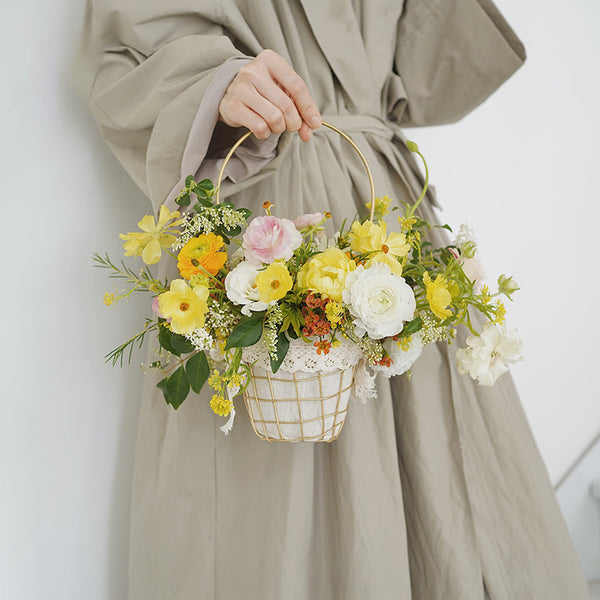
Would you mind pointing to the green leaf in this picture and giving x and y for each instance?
(283, 344)
(245, 212)
(234, 231)
(173, 342)
(197, 370)
(181, 344)
(204, 202)
(189, 180)
(412, 327)
(178, 387)
(205, 184)
(164, 339)
(246, 332)
(183, 200)
(162, 385)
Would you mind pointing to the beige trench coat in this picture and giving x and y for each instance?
(435, 487)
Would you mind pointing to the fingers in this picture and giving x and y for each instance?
(270, 91)
(268, 96)
(305, 132)
(294, 85)
(236, 114)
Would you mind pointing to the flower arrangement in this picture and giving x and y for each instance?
(273, 283)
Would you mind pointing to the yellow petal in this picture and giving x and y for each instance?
(152, 252)
(165, 216)
(147, 224)
(388, 259)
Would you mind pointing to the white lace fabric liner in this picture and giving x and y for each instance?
(302, 356)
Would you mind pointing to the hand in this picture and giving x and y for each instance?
(267, 96)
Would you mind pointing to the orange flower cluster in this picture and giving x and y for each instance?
(313, 301)
(314, 323)
(386, 361)
(322, 347)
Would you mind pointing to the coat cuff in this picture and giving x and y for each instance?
(209, 139)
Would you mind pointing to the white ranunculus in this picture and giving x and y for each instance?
(241, 288)
(487, 355)
(402, 360)
(379, 301)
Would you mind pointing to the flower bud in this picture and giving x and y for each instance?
(507, 285)
(469, 249)
(412, 146)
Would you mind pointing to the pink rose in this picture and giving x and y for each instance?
(308, 220)
(268, 239)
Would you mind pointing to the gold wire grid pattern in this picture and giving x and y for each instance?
(299, 406)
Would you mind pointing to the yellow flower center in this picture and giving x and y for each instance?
(275, 284)
(195, 262)
(385, 249)
(184, 306)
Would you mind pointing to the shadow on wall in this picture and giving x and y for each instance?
(579, 499)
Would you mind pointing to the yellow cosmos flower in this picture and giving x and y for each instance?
(325, 273)
(185, 306)
(273, 283)
(370, 237)
(388, 259)
(200, 255)
(438, 295)
(155, 236)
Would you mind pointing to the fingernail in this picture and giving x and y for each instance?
(315, 122)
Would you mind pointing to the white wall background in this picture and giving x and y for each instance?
(522, 169)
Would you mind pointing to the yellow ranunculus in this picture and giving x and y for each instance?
(325, 273)
(201, 255)
(438, 295)
(155, 236)
(273, 283)
(185, 306)
(388, 259)
(370, 237)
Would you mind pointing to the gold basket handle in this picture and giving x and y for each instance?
(344, 135)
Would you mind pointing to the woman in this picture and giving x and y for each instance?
(435, 489)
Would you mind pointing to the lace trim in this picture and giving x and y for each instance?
(303, 357)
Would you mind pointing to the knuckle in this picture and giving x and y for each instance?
(247, 72)
(268, 55)
(261, 131)
(274, 118)
(296, 87)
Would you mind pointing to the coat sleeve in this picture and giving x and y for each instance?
(450, 56)
(159, 70)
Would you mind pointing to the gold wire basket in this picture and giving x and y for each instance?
(298, 406)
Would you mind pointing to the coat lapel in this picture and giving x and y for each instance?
(378, 22)
(335, 27)
(358, 45)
